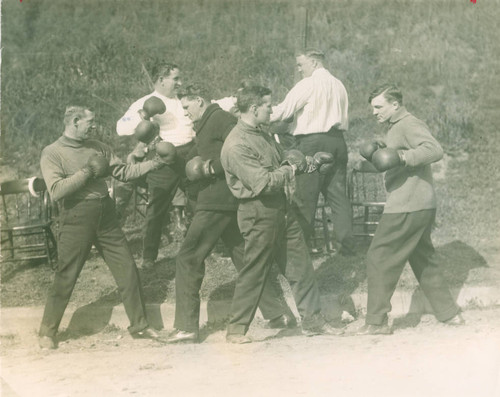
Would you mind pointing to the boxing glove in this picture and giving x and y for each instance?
(197, 169)
(99, 165)
(387, 158)
(166, 151)
(146, 131)
(323, 162)
(295, 158)
(152, 106)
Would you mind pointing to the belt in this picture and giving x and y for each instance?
(73, 201)
(334, 131)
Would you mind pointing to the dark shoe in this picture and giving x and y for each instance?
(456, 320)
(283, 321)
(182, 336)
(371, 329)
(325, 329)
(47, 343)
(147, 333)
(238, 339)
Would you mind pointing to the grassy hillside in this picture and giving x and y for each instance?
(444, 54)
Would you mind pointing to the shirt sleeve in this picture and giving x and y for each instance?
(424, 148)
(295, 100)
(127, 123)
(58, 185)
(127, 172)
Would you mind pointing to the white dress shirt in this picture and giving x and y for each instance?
(318, 102)
(175, 126)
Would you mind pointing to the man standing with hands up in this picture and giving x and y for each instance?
(404, 231)
(74, 168)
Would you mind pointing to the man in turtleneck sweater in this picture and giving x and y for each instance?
(404, 231)
(88, 218)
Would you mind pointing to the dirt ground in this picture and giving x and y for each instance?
(424, 359)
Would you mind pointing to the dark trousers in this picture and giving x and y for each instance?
(271, 233)
(162, 185)
(400, 238)
(82, 224)
(332, 185)
(205, 230)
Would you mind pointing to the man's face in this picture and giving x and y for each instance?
(305, 65)
(84, 127)
(193, 108)
(383, 109)
(170, 84)
(263, 112)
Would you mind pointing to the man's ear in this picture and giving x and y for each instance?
(75, 121)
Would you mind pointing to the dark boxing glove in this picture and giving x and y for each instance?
(295, 158)
(323, 162)
(146, 131)
(99, 165)
(197, 169)
(387, 158)
(152, 106)
(166, 151)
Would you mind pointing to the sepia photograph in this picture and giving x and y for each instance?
(251, 198)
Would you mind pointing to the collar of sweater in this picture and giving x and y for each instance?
(401, 113)
(67, 141)
(206, 115)
(248, 129)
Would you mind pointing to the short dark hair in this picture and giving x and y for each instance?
(390, 91)
(193, 91)
(251, 95)
(162, 69)
(75, 111)
(312, 53)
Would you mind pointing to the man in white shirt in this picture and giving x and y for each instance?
(318, 105)
(174, 127)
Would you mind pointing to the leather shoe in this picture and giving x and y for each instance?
(47, 343)
(371, 329)
(238, 339)
(325, 329)
(283, 321)
(182, 336)
(456, 320)
(147, 333)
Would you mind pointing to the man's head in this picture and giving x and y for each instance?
(167, 79)
(195, 100)
(254, 104)
(385, 100)
(78, 122)
(309, 60)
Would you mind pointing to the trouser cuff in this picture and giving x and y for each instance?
(448, 314)
(379, 319)
(237, 329)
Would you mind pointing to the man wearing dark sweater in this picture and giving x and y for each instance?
(74, 168)
(404, 231)
(214, 218)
